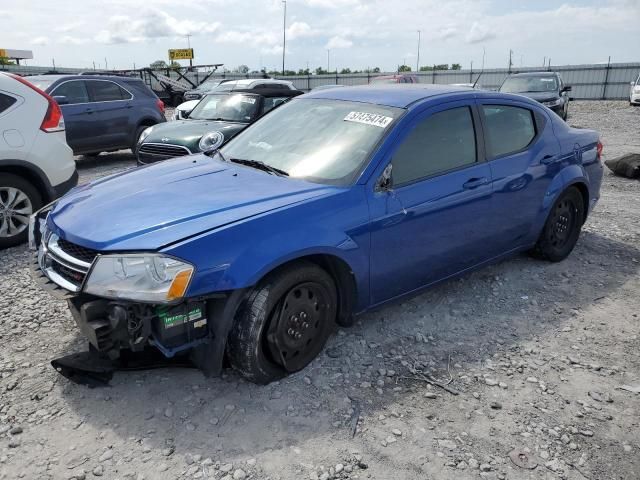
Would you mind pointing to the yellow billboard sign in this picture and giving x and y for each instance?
(3, 53)
(181, 54)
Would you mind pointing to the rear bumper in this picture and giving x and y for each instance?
(64, 187)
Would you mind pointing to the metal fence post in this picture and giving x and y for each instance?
(606, 80)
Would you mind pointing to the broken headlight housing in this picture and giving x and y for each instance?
(150, 278)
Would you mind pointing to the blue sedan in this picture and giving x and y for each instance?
(338, 202)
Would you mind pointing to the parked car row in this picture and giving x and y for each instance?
(332, 204)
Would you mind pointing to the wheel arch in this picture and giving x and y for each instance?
(339, 270)
(32, 174)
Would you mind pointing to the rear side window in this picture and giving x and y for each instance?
(508, 129)
(444, 141)
(6, 101)
(138, 87)
(106, 91)
(272, 102)
(75, 91)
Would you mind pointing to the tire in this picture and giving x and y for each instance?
(139, 131)
(562, 228)
(278, 329)
(22, 199)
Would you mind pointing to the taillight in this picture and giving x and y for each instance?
(160, 105)
(53, 120)
(599, 149)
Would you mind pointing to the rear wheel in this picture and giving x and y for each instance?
(18, 200)
(562, 228)
(284, 323)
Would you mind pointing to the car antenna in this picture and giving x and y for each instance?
(479, 75)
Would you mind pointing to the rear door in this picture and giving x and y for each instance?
(524, 156)
(77, 112)
(111, 114)
(433, 222)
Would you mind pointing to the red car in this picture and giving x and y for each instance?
(394, 79)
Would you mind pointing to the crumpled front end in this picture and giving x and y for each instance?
(113, 326)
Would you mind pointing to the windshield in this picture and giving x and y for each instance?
(235, 107)
(208, 85)
(41, 83)
(530, 84)
(227, 86)
(324, 141)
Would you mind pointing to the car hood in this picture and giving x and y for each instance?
(541, 96)
(189, 132)
(150, 207)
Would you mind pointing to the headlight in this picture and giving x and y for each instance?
(553, 103)
(211, 141)
(636, 89)
(145, 133)
(149, 278)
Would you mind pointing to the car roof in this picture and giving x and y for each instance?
(55, 78)
(401, 95)
(532, 74)
(268, 92)
(248, 81)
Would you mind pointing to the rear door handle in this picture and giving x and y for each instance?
(475, 183)
(548, 159)
(89, 110)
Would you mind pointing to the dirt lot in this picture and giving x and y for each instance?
(536, 352)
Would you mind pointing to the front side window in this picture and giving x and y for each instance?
(508, 129)
(444, 141)
(321, 140)
(75, 92)
(533, 84)
(105, 91)
(6, 101)
(233, 107)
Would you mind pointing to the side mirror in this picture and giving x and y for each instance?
(61, 100)
(385, 182)
(566, 88)
(633, 84)
(186, 113)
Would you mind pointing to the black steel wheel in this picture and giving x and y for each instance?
(284, 323)
(562, 228)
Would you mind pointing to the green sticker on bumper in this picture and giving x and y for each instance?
(173, 319)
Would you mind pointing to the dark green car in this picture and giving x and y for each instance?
(214, 120)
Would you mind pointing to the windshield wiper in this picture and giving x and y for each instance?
(260, 166)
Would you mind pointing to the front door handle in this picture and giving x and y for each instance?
(89, 110)
(548, 159)
(474, 183)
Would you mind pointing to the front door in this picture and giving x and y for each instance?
(433, 221)
(77, 113)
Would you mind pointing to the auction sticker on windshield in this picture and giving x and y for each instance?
(369, 119)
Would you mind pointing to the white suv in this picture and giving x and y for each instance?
(36, 164)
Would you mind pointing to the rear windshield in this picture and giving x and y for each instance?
(226, 107)
(547, 83)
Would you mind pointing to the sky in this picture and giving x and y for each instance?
(357, 33)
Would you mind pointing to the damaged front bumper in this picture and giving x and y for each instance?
(197, 326)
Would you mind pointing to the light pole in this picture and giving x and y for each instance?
(328, 53)
(418, 60)
(188, 35)
(284, 33)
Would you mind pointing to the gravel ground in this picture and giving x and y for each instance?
(533, 356)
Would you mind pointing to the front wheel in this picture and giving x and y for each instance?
(562, 228)
(18, 200)
(284, 323)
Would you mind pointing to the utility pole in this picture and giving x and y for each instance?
(94, 65)
(53, 60)
(106, 65)
(188, 35)
(418, 60)
(328, 54)
(284, 33)
(510, 59)
(484, 50)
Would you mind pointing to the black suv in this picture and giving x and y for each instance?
(102, 113)
(544, 87)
